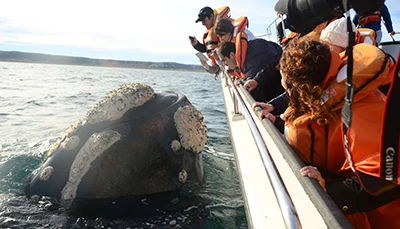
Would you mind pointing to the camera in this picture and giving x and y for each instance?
(302, 16)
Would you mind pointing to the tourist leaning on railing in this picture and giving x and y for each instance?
(259, 67)
(314, 78)
(335, 36)
(209, 18)
(347, 192)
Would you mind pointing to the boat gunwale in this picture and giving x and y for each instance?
(331, 214)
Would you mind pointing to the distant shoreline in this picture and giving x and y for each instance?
(39, 58)
(148, 68)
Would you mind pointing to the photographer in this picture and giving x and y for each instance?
(208, 17)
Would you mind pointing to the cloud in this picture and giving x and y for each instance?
(153, 26)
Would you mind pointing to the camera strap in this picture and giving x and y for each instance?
(373, 185)
(390, 147)
(346, 110)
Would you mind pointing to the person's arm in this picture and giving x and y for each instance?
(266, 112)
(197, 45)
(279, 124)
(347, 192)
(268, 74)
(350, 197)
(280, 103)
(386, 18)
(280, 33)
(214, 69)
(200, 47)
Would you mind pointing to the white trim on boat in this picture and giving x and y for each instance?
(262, 208)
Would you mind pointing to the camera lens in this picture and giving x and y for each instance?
(366, 7)
(304, 15)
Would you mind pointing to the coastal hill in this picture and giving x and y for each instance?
(13, 56)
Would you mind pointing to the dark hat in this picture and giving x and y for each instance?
(204, 12)
(282, 6)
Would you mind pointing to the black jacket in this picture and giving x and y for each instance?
(262, 57)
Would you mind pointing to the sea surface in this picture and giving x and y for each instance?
(38, 102)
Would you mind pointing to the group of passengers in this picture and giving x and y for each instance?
(301, 89)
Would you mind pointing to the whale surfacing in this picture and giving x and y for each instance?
(133, 142)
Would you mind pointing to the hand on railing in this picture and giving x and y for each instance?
(265, 112)
(313, 172)
(237, 81)
(250, 85)
(391, 34)
(216, 75)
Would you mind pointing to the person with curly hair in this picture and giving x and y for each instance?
(314, 78)
(336, 37)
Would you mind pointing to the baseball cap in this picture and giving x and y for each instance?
(336, 33)
(204, 12)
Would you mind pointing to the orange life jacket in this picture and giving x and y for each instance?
(210, 39)
(240, 39)
(368, 60)
(222, 12)
(322, 145)
(236, 73)
(240, 24)
(366, 35)
(374, 17)
(315, 34)
(291, 36)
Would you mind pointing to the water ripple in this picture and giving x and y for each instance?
(40, 101)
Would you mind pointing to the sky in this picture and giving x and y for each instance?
(148, 30)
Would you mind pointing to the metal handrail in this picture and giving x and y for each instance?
(332, 215)
(286, 205)
(269, 28)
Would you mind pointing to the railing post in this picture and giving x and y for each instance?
(235, 103)
(232, 84)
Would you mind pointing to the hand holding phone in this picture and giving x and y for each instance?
(201, 56)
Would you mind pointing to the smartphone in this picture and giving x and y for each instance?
(191, 38)
(201, 56)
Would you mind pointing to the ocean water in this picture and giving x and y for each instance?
(38, 102)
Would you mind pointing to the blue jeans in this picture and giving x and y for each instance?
(378, 37)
